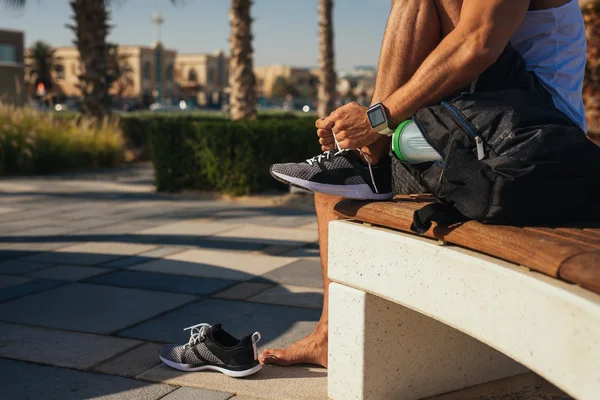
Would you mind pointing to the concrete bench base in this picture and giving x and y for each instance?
(391, 352)
(410, 319)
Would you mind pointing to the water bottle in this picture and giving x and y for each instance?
(409, 145)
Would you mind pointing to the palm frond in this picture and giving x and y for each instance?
(14, 3)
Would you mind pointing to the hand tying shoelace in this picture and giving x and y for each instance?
(327, 156)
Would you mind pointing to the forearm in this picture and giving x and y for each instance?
(458, 60)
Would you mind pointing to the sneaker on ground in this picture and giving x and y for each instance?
(211, 348)
(340, 173)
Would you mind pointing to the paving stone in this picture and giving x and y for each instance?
(214, 264)
(188, 393)
(68, 273)
(89, 308)
(527, 386)
(245, 398)
(116, 228)
(90, 253)
(39, 232)
(273, 383)
(8, 281)
(30, 381)
(274, 250)
(270, 235)
(243, 290)
(27, 288)
(144, 257)
(300, 273)
(20, 267)
(297, 296)
(200, 227)
(7, 210)
(215, 244)
(163, 282)
(238, 318)
(304, 252)
(133, 362)
(60, 348)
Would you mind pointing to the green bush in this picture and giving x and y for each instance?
(34, 142)
(231, 157)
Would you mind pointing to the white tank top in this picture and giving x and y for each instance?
(553, 44)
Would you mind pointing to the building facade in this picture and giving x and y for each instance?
(304, 80)
(153, 73)
(148, 73)
(12, 67)
(203, 78)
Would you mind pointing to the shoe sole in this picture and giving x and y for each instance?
(357, 192)
(191, 368)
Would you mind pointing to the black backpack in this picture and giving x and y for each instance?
(510, 156)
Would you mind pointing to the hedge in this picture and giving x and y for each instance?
(231, 157)
(33, 142)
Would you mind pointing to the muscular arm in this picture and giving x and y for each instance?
(484, 29)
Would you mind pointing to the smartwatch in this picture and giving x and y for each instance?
(379, 120)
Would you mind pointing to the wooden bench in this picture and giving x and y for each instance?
(413, 317)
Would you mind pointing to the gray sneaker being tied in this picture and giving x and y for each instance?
(339, 173)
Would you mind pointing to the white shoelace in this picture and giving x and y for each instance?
(327, 156)
(197, 333)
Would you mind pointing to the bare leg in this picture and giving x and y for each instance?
(401, 55)
(312, 349)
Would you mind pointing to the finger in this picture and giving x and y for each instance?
(326, 142)
(324, 133)
(345, 144)
(324, 123)
(327, 148)
(341, 135)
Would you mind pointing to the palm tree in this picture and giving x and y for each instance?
(241, 79)
(40, 65)
(119, 71)
(326, 59)
(591, 87)
(91, 29)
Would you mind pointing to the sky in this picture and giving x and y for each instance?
(285, 31)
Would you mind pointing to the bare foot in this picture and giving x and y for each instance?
(310, 350)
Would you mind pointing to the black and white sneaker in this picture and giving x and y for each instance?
(211, 348)
(340, 173)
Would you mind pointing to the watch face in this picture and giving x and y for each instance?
(376, 117)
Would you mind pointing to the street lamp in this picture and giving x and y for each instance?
(158, 20)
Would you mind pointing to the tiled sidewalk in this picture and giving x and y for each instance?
(96, 271)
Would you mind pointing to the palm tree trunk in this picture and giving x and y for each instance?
(591, 85)
(91, 29)
(327, 81)
(241, 66)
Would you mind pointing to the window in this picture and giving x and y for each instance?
(192, 75)
(147, 72)
(60, 71)
(8, 53)
(170, 72)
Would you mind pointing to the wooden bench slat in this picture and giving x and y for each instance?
(531, 248)
(568, 235)
(584, 270)
(581, 232)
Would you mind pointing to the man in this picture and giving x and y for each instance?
(431, 49)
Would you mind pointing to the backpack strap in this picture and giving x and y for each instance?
(436, 212)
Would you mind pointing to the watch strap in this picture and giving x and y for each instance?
(385, 131)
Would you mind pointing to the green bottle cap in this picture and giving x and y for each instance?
(396, 149)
